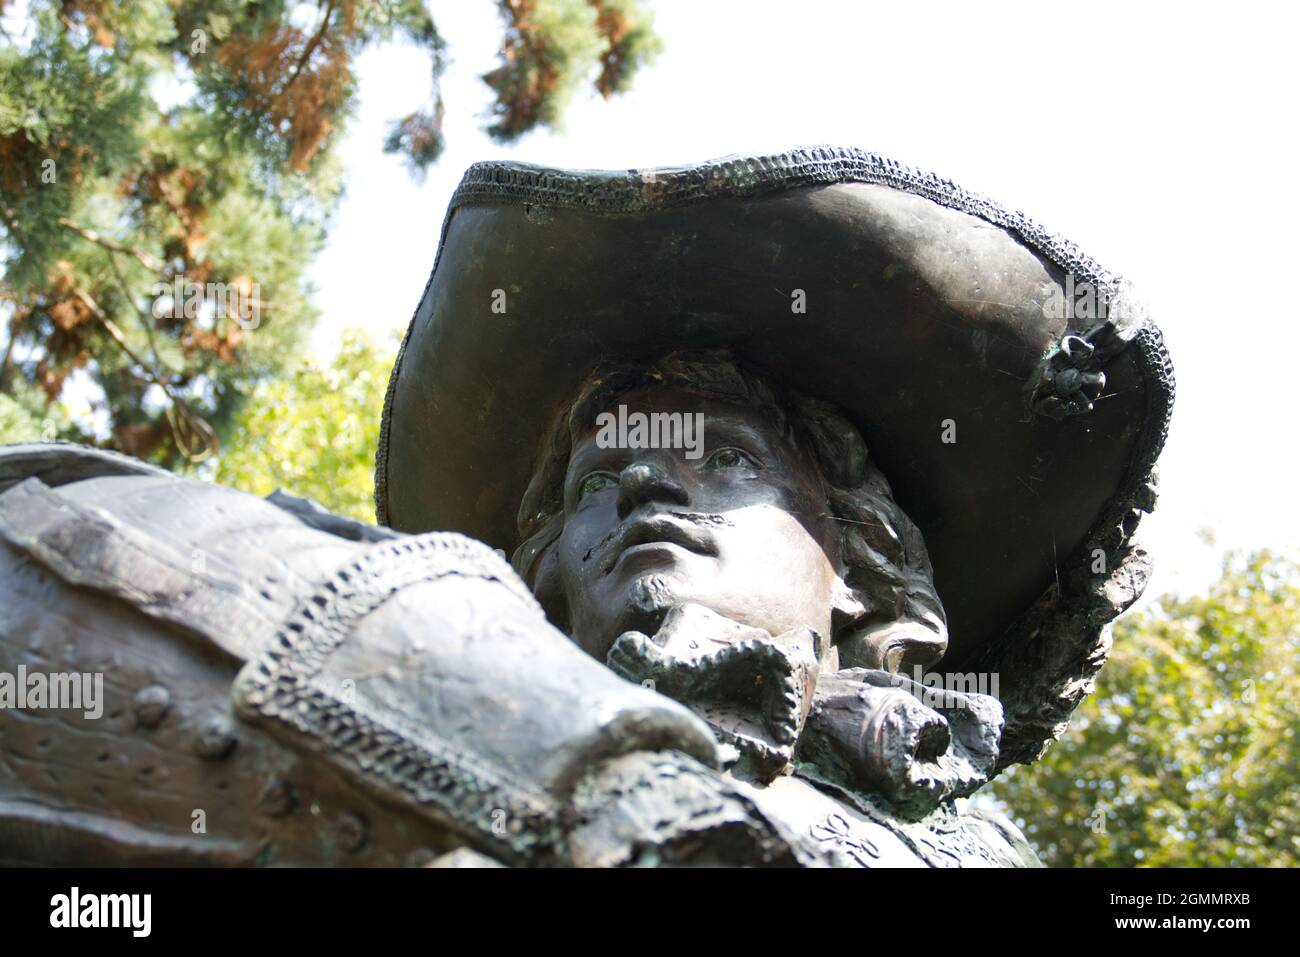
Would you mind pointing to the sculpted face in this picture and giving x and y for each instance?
(739, 526)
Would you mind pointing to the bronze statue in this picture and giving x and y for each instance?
(672, 397)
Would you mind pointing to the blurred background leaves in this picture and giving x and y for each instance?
(145, 142)
(314, 430)
(1188, 754)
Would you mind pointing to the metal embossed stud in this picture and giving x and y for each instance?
(277, 798)
(352, 832)
(151, 705)
(216, 738)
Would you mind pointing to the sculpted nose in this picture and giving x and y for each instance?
(642, 482)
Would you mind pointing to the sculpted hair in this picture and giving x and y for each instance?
(894, 617)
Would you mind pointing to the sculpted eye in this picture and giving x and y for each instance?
(596, 482)
(730, 458)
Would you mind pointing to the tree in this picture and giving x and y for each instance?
(167, 172)
(1188, 752)
(548, 48)
(313, 432)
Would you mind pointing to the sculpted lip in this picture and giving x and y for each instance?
(655, 529)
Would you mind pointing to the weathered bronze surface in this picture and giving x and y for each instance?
(711, 651)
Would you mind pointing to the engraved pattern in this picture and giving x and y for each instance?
(835, 831)
(942, 839)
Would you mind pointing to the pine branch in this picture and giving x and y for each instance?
(115, 332)
(91, 236)
(179, 416)
(7, 363)
(145, 319)
(312, 44)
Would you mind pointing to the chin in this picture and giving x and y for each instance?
(648, 598)
(652, 594)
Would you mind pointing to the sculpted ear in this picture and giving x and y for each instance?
(865, 639)
(894, 646)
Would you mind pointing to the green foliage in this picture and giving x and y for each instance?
(17, 423)
(152, 146)
(631, 43)
(314, 431)
(1189, 752)
(549, 52)
(26, 417)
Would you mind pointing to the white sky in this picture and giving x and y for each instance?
(1159, 138)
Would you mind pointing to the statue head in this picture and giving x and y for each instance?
(925, 314)
(757, 503)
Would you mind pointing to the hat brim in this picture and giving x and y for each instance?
(923, 320)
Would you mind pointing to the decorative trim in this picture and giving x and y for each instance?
(639, 191)
(285, 687)
(642, 191)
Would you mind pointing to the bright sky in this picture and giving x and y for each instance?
(1161, 139)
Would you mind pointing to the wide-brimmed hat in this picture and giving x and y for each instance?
(1013, 391)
